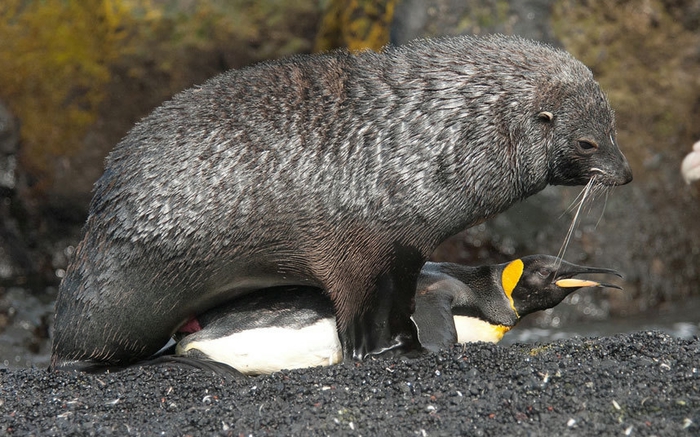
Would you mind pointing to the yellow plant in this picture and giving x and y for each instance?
(55, 57)
(355, 24)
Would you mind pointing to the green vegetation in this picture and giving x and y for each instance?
(65, 61)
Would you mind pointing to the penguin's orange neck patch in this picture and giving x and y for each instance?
(509, 279)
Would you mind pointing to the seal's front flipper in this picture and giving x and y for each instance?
(374, 334)
(382, 324)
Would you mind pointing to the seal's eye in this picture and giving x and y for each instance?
(586, 147)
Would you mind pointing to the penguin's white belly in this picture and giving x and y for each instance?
(267, 350)
(471, 329)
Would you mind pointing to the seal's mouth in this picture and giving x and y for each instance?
(619, 175)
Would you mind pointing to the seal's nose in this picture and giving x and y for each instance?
(625, 173)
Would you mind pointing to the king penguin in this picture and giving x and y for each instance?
(461, 304)
(286, 328)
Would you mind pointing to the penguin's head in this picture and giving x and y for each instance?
(539, 282)
(488, 301)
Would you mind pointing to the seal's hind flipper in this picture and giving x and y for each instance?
(223, 370)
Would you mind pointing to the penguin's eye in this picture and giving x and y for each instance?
(543, 272)
(586, 147)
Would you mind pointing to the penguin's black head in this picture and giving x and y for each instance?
(539, 282)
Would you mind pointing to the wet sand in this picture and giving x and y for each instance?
(646, 383)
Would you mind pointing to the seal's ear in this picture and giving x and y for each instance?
(545, 116)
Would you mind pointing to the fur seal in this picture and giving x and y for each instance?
(339, 171)
(290, 328)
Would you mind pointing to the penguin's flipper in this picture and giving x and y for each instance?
(433, 317)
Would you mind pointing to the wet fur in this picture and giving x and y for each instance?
(338, 171)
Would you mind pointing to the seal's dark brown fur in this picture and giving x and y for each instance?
(339, 171)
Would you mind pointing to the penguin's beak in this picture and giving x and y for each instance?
(578, 283)
(548, 280)
(565, 277)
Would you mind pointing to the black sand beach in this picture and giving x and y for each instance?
(646, 383)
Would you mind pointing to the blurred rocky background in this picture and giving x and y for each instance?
(77, 74)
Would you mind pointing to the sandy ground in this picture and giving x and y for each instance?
(646, 383)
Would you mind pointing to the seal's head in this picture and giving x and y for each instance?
(582, 123)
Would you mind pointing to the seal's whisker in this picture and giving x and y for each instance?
(583, 195)
(605, 190)
(595, 190)
(575, 203)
